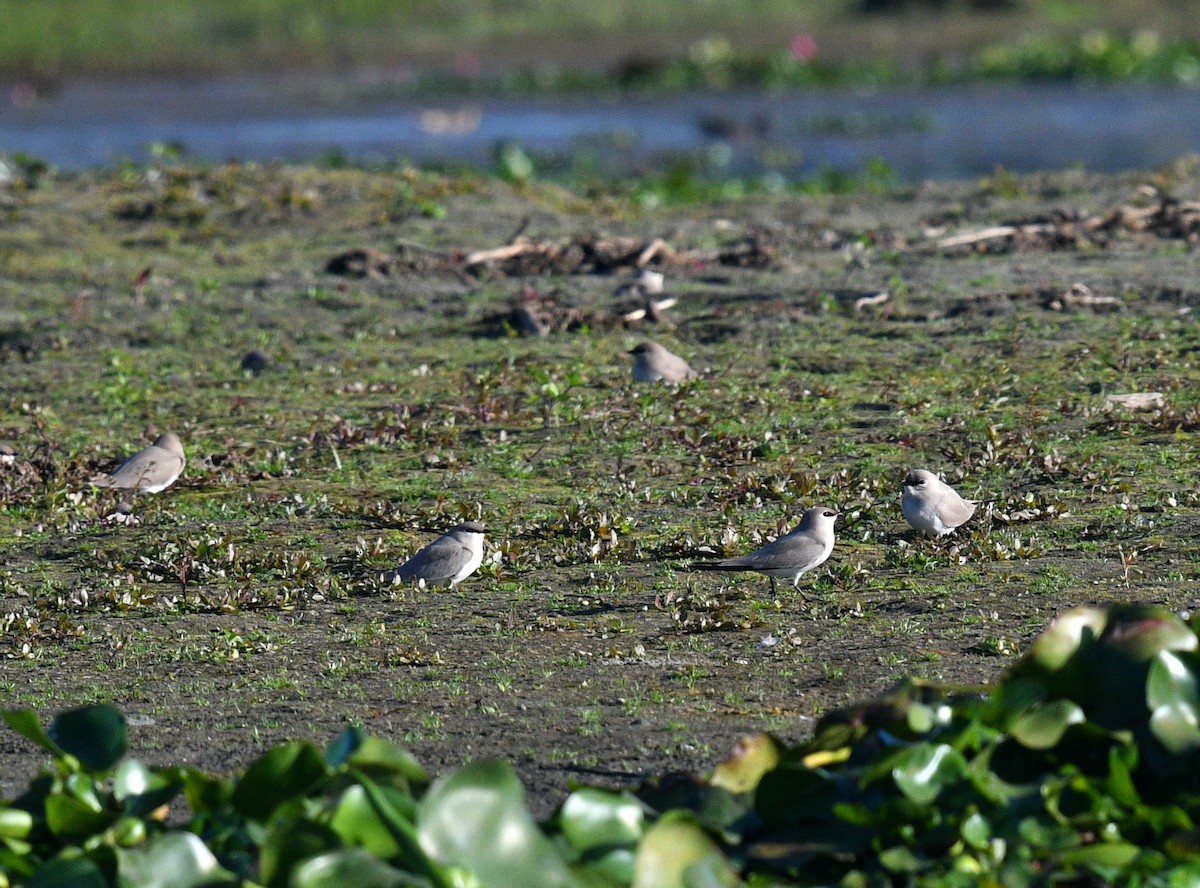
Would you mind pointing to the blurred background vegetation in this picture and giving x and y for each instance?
(920, 39)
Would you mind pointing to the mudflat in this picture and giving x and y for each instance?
(440, 348)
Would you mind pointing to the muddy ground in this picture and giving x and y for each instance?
(975, 328)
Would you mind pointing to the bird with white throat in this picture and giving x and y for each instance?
(931, 505)
(805, 547)
(451, 558)
(151, 470)
(654, 363)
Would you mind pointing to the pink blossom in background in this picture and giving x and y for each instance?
(467, 64)
(804, 47)
(23, 94)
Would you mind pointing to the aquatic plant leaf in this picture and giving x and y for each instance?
(352, 868)
(476, 818)
(291, 841)
(357, 821)
(74, 872)
(142, 789)
(677, 853)
(1043, 726)
(67, 816)
(15, 823)
(279, 774)
(172, 860)
(26, 723)
(976, 831)
(899, 860)
(1171, 692)
(793, 793)
(1102, 854)
(596, 818)
(1066, 637)
(753, 756)
(384, 760)
(95, 735)
(924, 770)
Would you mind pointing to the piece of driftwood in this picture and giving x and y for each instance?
(523, 256)
(1137, 401)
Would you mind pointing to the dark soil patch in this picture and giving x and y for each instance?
(244, 606)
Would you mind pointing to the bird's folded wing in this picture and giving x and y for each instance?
(439, 560)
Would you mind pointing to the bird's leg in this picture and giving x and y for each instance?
(774, 594)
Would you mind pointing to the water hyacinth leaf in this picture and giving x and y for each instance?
(75, 872)
(352, 868)
(1066, 637)
(1043, 726)
(384, 760)
(67, 816)
(205, 793)
(338, 752)
(899, 860)
(95, 735)
(411, 854)
(596, 818)
(976, 831)
(752, 756)
(281, 773)
(716, 808)
(141, 788)
(923, 771)
(476, 818)
(1106, 855)
(172, 860)
(26, 723)
(357, 821)
(677, 853)
(792, 794)
(616, 866)
(291, 841)
(15, 823)
(1141, 632)
(1171, 692)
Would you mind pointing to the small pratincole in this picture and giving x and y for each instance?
(653, 363)
(931, 505)
(792, 555)
(451, 558)
(149, 471)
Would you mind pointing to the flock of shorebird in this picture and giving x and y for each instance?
(929, 504)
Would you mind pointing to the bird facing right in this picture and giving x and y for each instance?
(932, 506)
(451, 558)
(653, 363)
(792, 555)
(148, 471)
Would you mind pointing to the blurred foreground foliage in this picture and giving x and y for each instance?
(1078, 767)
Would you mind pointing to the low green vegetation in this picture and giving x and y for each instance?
(1077, 767)
(494, 48)
(986, 330)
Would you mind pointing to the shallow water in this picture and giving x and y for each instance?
(921, 133)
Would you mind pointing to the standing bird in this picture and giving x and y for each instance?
(931, 505)
(792, 555)
(149, 471)
(653, 363)
(452, 557)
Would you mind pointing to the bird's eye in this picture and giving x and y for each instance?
(829, 514)
(923, 482)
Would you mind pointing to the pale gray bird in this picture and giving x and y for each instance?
(150, 470)
(792, 555)
(452, 557)
(931, 505)
(653, 363)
